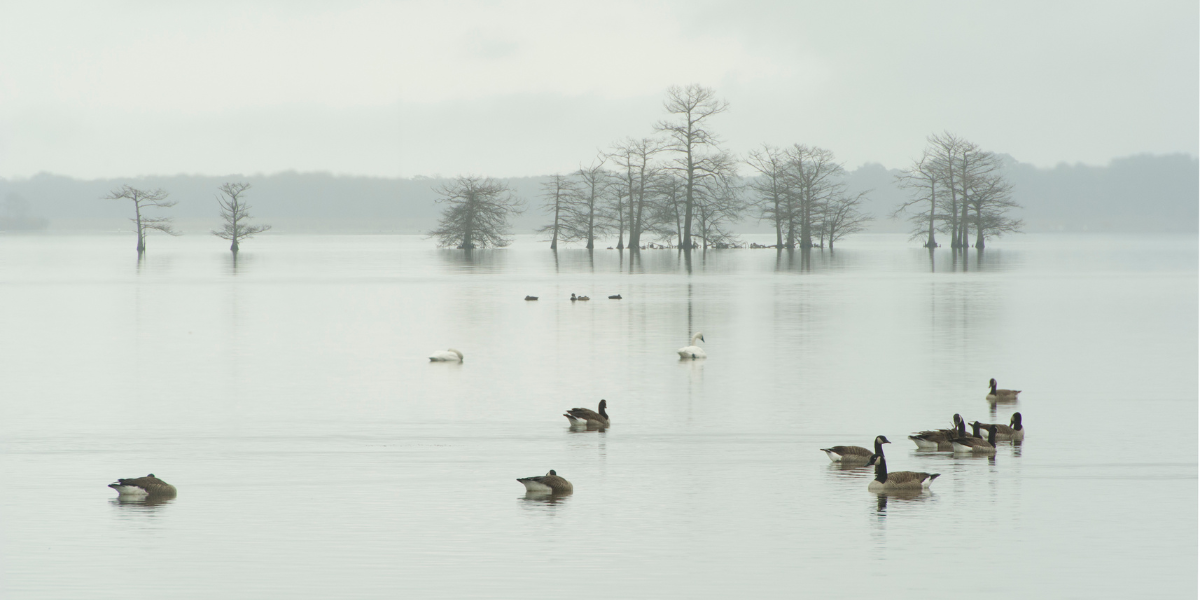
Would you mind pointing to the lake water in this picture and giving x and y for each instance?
(318, 454)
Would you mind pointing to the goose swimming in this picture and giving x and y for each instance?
(995, 395)
(548, 483)
(450, 355)
(615, 297)
(530, 298)
(693, 351)
(143, 486)
(586, 416)
(899, 480)
(939, 439)
(1013, 432)
(855, 454)
(976, 444)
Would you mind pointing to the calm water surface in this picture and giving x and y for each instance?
(319, 454)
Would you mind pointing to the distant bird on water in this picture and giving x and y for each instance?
(615, 297)
(976, 444)
(855, 454)
(531, 297)
(589, 417)
(939, 439)
(693, 351)
(995, 395)
(450, 355)
(144, 486)
(548, 483)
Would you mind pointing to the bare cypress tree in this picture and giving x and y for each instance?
(143, 199)
(923, 178)
(589, 218)
(693, 144)
(559, 192)
(771, 187)
(477, 212)
(814, 179)
(634, 157)
(990, 198)
(235, 211)
(842, 217)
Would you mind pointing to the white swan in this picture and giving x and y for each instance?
(693, 351)
(450, 355)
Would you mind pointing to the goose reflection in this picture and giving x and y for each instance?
(882, 498)
(549, 498)
(141, 503)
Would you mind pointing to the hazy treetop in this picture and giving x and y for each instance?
(404, 89)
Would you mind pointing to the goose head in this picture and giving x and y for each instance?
(603, 405)
(880, 440)
(551, 473)
(573, 298)
(992, 434)
(992, 385)
(1015, 421)
(959, 423)
(975, 429)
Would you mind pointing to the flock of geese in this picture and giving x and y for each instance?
(956, 440)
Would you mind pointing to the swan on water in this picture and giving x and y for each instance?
(450, 355)
(693, 351)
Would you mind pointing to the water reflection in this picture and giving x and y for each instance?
(478, 260)
(145, 504)
(546, 498)
(881, 502)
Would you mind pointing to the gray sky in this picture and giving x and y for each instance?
(527, 88)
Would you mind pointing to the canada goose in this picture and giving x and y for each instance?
(143, 486)
(531, 297)
(587, 416)
(855, 454)
(550, 482)
(693, 351)
(995, 395)
(1013, 432)
(615, 297)
(573, 298)
(976, 444)
(939, 439)
(450, 355)
(899, 480)
(584, 298)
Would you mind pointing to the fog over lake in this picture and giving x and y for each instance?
(319, 454)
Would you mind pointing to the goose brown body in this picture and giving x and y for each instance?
(582, 416)
(148, 485)
(550, 482)
(898, 480)
(999, 396)
(940, 439)
(855, 454)
(1013, 432)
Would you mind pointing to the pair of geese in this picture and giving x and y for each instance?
(580, 298)
(691, 351)
(552, 483)
(151, 486)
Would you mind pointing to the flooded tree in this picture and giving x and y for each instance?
(718, 203)
(814, 178)
(770, 188)
(634, 157)
(588, 218)
(842, 217)
(989, 200)
(476, 214)
(142, 200)
(923, 179)
(975, 192)
(696, 148)
(558, 193)
(236, 212)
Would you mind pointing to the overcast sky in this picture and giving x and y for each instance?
(526, 88)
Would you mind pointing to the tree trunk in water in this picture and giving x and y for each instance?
(931, 243)
(234, 246)
(978, 228)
